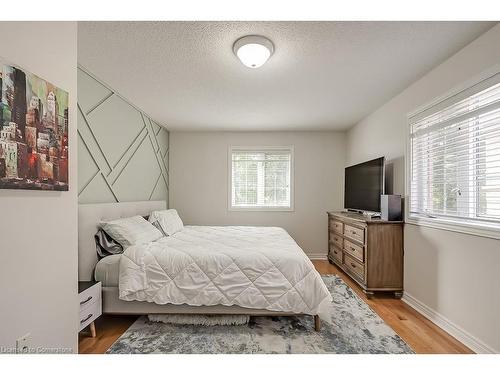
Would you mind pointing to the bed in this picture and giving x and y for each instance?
(201, 270)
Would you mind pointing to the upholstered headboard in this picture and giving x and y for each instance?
(89, 216)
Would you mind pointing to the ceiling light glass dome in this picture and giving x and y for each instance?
(253, 50)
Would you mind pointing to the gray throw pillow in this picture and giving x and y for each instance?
(105, 245)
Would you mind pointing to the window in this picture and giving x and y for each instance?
(454, 157)
(261, 178)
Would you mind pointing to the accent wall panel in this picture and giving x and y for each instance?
(122, 153)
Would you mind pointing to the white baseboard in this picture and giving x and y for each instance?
(444, 323)
(317, 256)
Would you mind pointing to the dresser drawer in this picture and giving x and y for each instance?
(354, 267)
(90, 313)
(337, 241)
(336, 226)
(90, 295)
(354, 250)
(336, 254)
(355, 233)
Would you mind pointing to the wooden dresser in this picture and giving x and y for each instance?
(368, 250)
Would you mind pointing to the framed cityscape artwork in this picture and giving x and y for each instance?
(33, 132)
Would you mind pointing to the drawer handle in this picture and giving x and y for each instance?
(84, 302)
(87, 318)
(353, 232)
(353, 265)
(335, 251)
(353, 249)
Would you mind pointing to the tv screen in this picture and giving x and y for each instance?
(364, 183)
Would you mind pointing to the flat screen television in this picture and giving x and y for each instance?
(364, 183)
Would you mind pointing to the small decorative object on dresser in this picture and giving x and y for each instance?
(369, 250)
(89, 295)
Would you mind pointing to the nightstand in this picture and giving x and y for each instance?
(89, 295)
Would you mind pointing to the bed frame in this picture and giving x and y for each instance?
(89, 216)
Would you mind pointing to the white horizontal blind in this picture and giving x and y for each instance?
(261, 178)
(455, 157)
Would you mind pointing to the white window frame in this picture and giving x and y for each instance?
(476, 228)
(230, 206)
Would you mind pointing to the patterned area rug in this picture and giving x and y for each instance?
(355, 328)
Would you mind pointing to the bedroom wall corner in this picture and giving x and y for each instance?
(38, 229)
(111, 168)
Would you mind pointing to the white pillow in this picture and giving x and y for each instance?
(169, 221)
(131, 231)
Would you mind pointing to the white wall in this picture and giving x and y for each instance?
(453, 274)
(38, 238)
(199, 181)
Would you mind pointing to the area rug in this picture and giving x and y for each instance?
(354, 328)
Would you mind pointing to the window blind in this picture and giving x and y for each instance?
(455, 156)
(261, 178)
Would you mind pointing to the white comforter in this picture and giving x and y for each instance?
(253, 267)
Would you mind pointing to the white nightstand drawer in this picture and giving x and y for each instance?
(90, 301)
(90, 313)
(89, 296)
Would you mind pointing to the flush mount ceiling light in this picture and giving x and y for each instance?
(253, 50)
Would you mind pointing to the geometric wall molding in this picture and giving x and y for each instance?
(122, 153)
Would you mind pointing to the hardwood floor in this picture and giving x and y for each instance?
(420, 333)
(108, 329)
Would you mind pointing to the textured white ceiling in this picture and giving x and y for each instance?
(323, 75)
